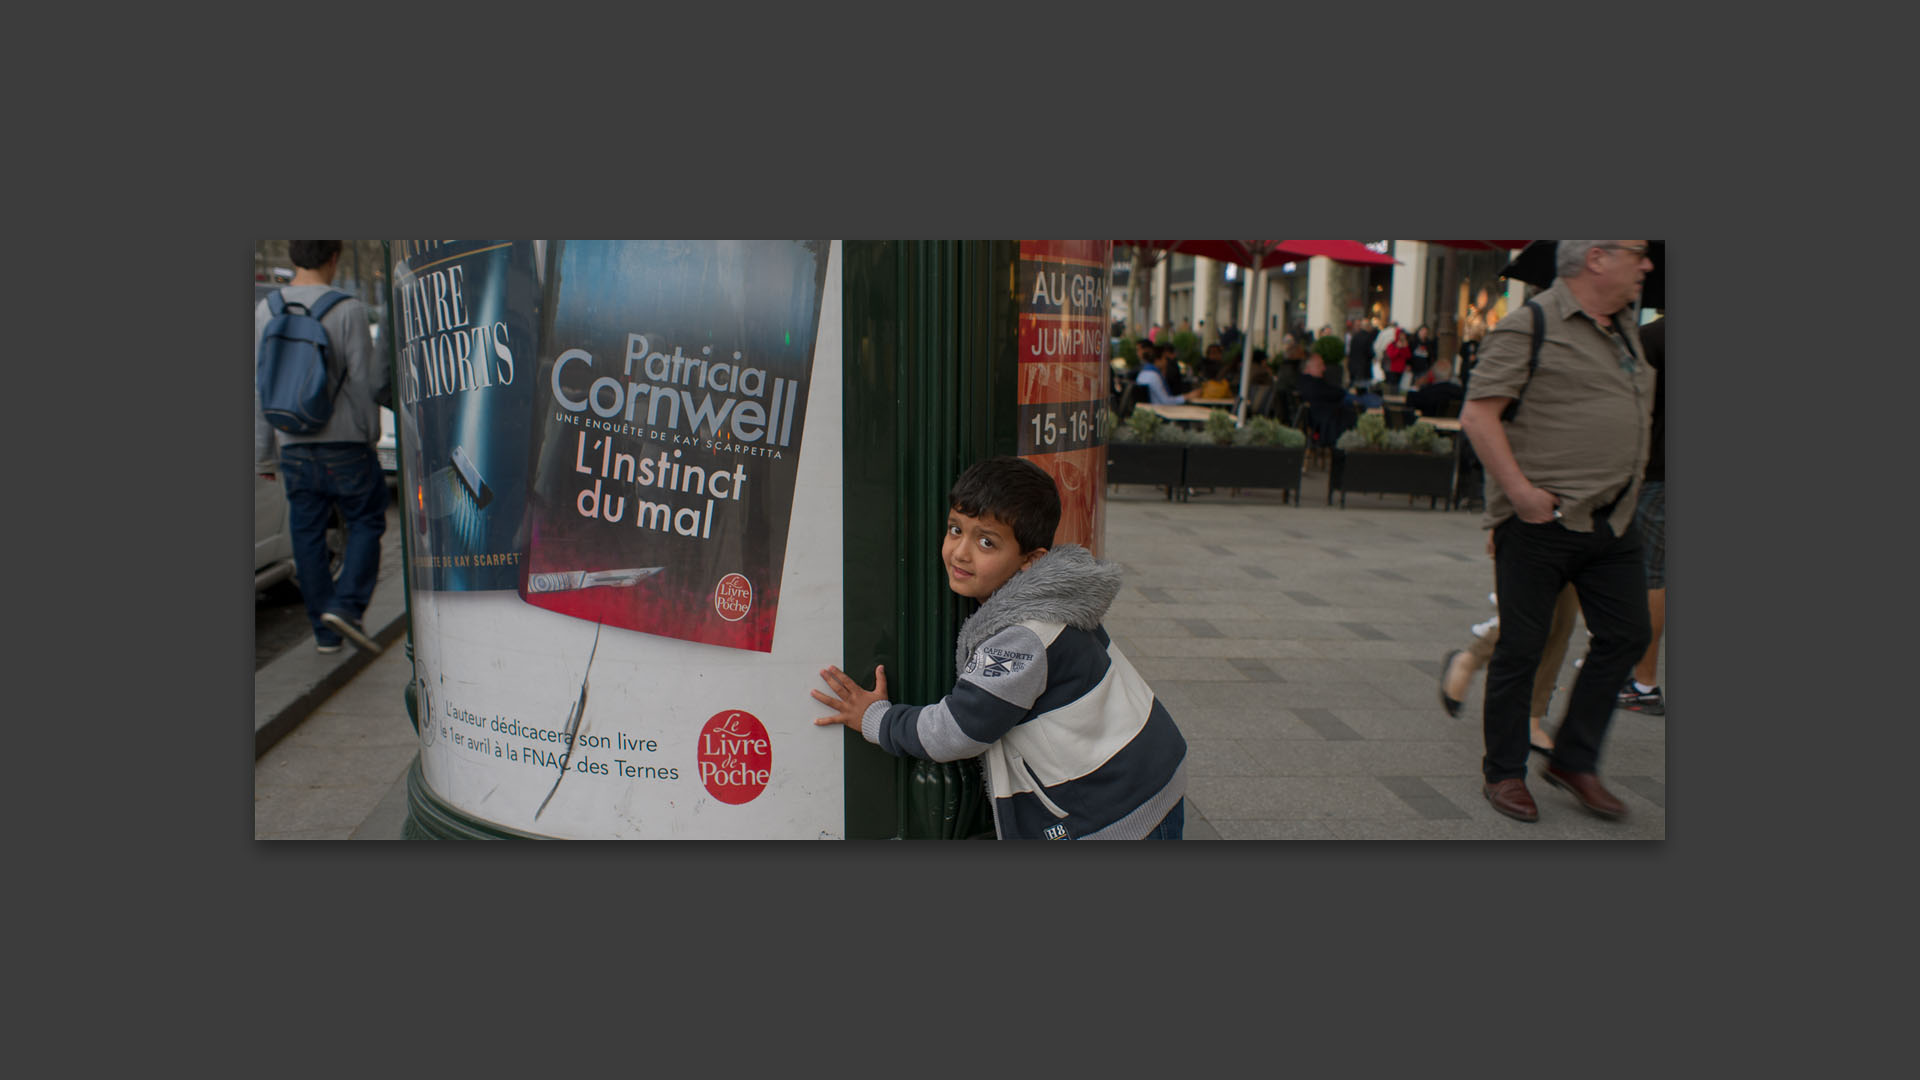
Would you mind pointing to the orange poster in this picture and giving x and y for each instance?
(1062, 288)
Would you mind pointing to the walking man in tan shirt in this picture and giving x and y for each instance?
(1563, 477)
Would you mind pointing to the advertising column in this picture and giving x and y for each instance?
(1062, 287)
(623, 483)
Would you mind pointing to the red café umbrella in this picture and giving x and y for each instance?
(1343, 251)
(1266, 254)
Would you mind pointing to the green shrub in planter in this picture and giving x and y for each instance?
(1267, 431)
(1413, 460)
(1220, 427)
(1371, 433)
(1372, 427)
(1142, 425)
(1186, 347)
(1261, 454)
(1145, 449)
(1331, 349)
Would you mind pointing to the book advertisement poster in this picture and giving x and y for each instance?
(1062, 288)
(466, 319)
(545, 713)
(672, 391)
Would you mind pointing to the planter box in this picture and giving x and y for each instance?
(1391, 473)
(1246, 467)
(1147, 463)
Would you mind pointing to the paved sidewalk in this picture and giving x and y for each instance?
(340, 774)
(1297, 646)
(1299, 649)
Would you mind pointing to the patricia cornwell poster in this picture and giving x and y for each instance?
(671, 404)
(467, 312)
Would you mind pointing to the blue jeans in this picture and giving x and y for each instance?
(1173, 825)
(318, 478)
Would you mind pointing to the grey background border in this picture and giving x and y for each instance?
(1241, 936)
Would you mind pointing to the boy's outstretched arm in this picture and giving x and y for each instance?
(852, 702)
(996, 690)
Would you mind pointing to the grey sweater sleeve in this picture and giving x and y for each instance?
(365, 363)
(263, 447)
(1002, 680)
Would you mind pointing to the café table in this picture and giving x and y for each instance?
(1184, 413)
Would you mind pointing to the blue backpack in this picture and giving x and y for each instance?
(291, 373)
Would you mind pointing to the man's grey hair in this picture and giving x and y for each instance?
(1570, 256)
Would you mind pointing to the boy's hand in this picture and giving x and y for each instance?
(852, 702)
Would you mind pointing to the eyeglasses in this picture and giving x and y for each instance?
(1638, 251)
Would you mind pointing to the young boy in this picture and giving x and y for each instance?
(1072, 741)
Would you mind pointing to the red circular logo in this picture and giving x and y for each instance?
(736, 757)
(732, 597)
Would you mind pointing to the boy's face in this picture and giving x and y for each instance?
(981, 555)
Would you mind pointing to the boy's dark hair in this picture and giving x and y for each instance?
(1014, 490)
(312, 254)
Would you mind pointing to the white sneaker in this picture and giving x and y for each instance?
(1480, 629)
(350, 630)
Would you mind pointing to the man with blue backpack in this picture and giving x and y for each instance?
(317, 397)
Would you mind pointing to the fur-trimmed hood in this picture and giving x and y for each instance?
(1067, 585)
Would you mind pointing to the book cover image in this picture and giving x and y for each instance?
(466, 315)
(670, 406)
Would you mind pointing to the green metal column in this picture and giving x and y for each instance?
(931, 330)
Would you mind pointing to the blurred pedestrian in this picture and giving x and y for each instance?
(1420, 359)
(1458, 667)
(1360, 353)
(1173, 372)
(1230, 337)
(1436, 391)
(1326, 406)
(1153, 376)
(1563, 479)
(1643, 693)
(1396, 353)
(334, 468)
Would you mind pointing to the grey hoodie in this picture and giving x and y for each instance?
(1072, 741)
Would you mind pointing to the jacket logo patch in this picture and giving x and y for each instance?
(1056, 832)
(1000, 663)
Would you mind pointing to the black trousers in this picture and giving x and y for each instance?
(1532, 563)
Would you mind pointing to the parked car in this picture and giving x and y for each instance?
(273, 560)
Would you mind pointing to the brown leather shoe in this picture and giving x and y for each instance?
(1511, 798)
(1587, 788)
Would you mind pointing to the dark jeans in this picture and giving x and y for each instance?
(1173, 825)
(1531, 565)
(319, 477)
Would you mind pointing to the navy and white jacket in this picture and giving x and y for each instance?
(1072, 741)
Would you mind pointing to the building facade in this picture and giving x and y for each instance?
(1316, 294)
